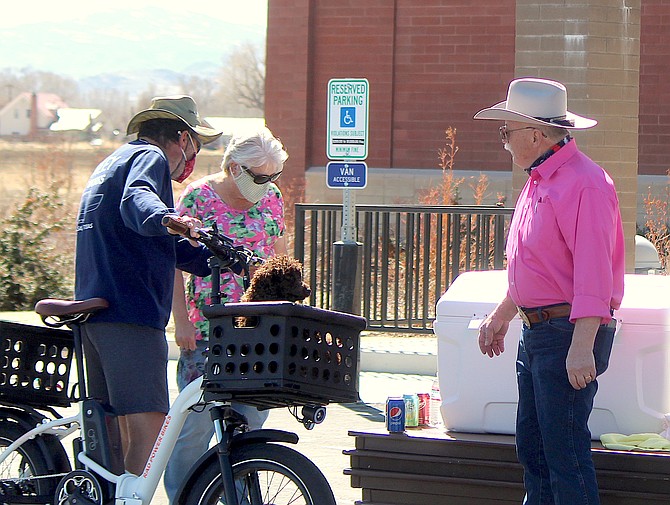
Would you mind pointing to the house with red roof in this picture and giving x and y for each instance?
(30, 114)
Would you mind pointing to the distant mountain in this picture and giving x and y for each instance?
(134, 82)
(127, 44)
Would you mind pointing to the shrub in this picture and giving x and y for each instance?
(656, 226)
(31, 267)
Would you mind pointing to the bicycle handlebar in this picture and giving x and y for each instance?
(221, 246)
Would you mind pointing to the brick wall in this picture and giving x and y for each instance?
(654, 87)
(288, 81)
(353, 39)
(432, 64)
(452, 59)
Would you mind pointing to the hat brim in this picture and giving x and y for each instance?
(206, 133)
(499, 112)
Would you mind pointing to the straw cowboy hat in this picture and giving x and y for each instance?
(180, 107)
(536, 101)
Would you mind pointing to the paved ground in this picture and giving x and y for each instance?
(326, 442)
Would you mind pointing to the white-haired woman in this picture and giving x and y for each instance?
(246, 205)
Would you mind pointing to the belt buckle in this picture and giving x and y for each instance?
(523, 316)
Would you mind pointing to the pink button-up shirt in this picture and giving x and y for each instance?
(566, 241)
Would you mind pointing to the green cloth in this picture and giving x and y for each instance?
(635, 442)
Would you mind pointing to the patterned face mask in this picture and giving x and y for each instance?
(189, 165)
(248, 188)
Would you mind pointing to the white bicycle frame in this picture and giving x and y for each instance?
(130, 489)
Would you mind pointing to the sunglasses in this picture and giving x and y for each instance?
(262, 178)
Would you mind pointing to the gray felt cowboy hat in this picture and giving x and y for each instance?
(180, 107)
(536, 101)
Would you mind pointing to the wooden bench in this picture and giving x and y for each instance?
(429, 466)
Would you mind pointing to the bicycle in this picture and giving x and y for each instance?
(293, 356)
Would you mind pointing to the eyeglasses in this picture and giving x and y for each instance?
(504, 132)
(194, 140)
(197, 144)
(262, 178)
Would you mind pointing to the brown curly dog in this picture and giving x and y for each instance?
(279, 278)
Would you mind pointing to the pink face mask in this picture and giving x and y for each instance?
(189, 165)
(188, 170)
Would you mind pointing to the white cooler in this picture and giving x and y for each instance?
(479, 393)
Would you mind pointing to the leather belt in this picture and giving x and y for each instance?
(540, 314)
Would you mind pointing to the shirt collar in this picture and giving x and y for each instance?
(548, 153)
(547, 169)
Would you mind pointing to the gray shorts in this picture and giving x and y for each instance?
(126, 366)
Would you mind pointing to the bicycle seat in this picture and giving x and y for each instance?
(56, 307)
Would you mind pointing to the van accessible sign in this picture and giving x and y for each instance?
(348, 119)
(349, 175)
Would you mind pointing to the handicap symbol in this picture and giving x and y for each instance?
(347, 117)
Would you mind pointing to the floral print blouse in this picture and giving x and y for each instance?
(256, 228)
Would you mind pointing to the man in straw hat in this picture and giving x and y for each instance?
(126, 256)
(565, 264)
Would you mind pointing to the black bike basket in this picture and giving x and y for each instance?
(35, 364)
(273, 354)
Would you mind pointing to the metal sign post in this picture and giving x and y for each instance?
(347, 140)
(349, 232)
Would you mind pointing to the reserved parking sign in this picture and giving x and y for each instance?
(347, 119)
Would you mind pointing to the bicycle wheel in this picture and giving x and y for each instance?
(265, 474)
(18, 471)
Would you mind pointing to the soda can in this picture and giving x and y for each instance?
(424, 409)
(411, 410)
(395, 414)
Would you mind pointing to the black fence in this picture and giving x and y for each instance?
(411, 254)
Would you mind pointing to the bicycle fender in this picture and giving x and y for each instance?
(27, 420)
(53, 451)
(211, 457)
(264, 437)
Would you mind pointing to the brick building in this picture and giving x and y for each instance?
(432, 64)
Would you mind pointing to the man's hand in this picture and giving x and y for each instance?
(492, 336)
(185, 226)
(184, 336)
(494, 328)
(580, 363)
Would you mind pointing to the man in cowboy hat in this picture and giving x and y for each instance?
(126, 256)
(565, 264)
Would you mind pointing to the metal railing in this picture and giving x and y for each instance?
(411, 254)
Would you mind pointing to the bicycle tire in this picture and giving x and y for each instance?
(28, 461)
(285, 476)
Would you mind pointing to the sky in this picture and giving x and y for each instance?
(18, 13)
(83, 38)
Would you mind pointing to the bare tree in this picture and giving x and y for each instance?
(16, 81)
(243, 78)
(202, 89)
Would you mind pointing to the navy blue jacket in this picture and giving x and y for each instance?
(124, 254)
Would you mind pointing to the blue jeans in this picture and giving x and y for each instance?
(198, 430)
(552, 435)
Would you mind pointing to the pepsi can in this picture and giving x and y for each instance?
(395, 415)
(424, 409)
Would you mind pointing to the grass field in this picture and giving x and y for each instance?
(69, 164)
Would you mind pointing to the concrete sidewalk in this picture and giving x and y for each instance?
(390, 365)
(325, 444)
(407, 356)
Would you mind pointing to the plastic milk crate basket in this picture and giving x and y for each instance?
(35, 364)
(287, 354)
